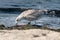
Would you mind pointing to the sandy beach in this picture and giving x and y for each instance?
(31, 34)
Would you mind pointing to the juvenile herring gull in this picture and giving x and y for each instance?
(30, 15)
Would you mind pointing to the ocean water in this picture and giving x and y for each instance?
(8, 18)
(35, 4)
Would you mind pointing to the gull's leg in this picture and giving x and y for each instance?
(29, 22)
(16, 22)
(35, 22)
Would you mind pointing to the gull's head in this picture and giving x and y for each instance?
(18, 19)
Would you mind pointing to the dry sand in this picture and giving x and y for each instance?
(31, 34)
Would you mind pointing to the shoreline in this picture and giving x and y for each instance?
(26, 27)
